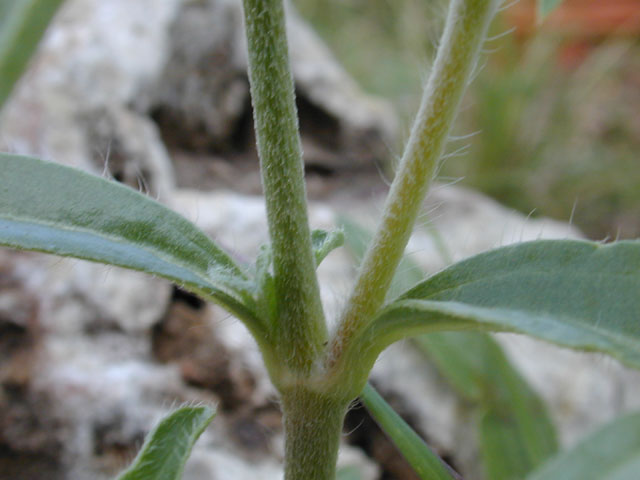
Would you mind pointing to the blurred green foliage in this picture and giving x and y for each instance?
(558, 123)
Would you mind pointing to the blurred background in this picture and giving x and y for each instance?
(556, 106)
(154, 94)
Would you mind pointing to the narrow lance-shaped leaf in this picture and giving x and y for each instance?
(611, 453)
(22, 24)
(503, 459)
(427, 464)
(577, 294)
(167, 448)
(56, 209)
(515, 431)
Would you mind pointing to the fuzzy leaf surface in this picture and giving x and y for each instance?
(576, 294)
(167, 448)
(611, 453)
(55, 209)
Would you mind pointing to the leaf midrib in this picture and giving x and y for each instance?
(546, 318)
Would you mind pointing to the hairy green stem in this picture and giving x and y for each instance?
(301, 330)
(312, 427)
(464, 33)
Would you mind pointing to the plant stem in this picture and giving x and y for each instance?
(464, 33)
(312, 427)
(301, 330)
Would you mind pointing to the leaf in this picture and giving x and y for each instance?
(545, 7)
(516, 433)
(324, 242)
(426, 464)
(167, 448)
(611, 453)
(476, 366)
(56, 209)
(461, 360)
(503, 458)
(576, 294)
(22, 25)
(510, 443)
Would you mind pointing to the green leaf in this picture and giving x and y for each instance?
(503, 458)
(545, 7)
(167, 448)
(22, 25)
(462, 360)
(56, 209)
(515, 432)
(427, 464)
(611, 453)
(324, 242)
(576, 294)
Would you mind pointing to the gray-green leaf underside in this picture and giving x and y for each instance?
(611, 453)
(577, 294)
(60, 210)
(167, 448)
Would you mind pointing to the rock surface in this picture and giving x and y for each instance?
(154, 95)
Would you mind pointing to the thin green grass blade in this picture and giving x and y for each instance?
(55, 209)
(611, 453)
(576, 294)
(167, 448)
(22, 25)
(427, 464)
